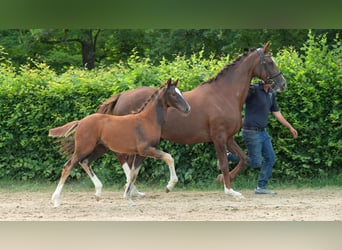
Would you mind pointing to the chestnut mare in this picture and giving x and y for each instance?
(134, 134)
(215, 112)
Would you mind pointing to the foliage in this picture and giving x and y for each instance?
(313, 105)
(35, 98)
(62, 48)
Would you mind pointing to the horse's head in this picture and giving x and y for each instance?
(174, 97)
(269, 71)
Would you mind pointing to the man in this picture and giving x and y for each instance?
(259, 103)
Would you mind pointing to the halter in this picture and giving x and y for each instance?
(270, 77)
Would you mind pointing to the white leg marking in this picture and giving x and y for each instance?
(134, 191)
(56, 194)
(97, 183)
(127, 170)
(233, 193)
(127, 195)
(173, 176)
(98, 186)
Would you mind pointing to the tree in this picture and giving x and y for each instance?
(87, 38)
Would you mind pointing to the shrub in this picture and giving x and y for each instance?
(35, 99)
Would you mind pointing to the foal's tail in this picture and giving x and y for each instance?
(65, 130)
(108, 106)
(66, 144)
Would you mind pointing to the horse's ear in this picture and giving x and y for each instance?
(168, 82)
(266, 47)
(175, 83)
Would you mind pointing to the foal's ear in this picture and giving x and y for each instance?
(266, 47)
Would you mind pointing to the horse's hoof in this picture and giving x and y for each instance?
(167, 190)
(232, 193)
(98, 198)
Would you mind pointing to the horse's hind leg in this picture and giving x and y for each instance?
(234, 148)
(220, 148)
(97, 183)
(65, 173)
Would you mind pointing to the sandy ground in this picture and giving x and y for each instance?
(287, 205)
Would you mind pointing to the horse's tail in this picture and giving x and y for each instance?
(108, 106)
(65, 130)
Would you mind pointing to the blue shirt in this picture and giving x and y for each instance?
(259, 104)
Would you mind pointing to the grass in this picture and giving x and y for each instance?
(242, 182)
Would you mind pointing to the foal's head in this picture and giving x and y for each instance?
(269, 71)
(173, 97)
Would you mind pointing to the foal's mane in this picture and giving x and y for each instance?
(148, 100)
(229, 66)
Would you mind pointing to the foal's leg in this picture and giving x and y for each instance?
(97, 183)
(135, 162)
(132, 175)
(65, 173)
(81, 149)
(167, 158)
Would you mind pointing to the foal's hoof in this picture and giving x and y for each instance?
(98, 198)
(56, 204)
(139, 195)
(167, 190)
(131, 203)
(136, 193)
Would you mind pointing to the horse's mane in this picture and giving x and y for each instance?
(148, 100)
(229, 66)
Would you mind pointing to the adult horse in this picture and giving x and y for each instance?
(215, 110)
(134, 134)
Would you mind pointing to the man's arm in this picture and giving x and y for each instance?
(278, 115)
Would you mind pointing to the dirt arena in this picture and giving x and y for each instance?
(288, 205)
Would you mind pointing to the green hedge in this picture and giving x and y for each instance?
(34, 99)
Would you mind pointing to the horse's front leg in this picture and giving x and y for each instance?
(223, 163)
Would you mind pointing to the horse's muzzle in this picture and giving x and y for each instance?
(187, 110)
